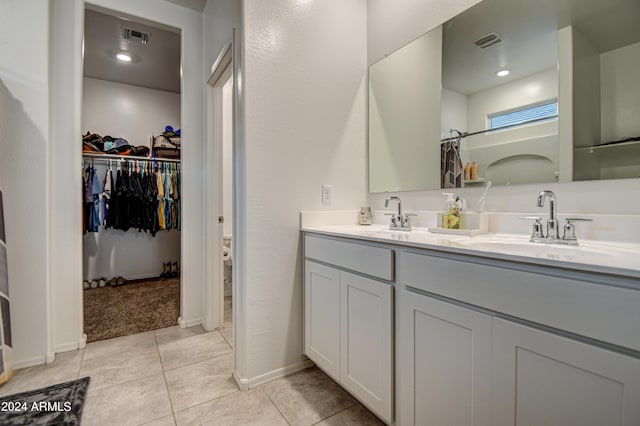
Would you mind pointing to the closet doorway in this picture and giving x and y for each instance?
(131, 124)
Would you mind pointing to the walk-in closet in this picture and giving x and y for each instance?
(131, 142)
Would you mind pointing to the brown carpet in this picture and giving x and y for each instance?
(131, 308)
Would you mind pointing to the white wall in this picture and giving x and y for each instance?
(305, 69)
(454, 112)
(620, 92)
(586, 92)
(386, 35)
(24, 147)
(131, 112)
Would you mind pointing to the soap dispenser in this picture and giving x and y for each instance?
(450, 213)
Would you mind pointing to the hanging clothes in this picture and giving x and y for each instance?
(91, 200)
(106, 195)
(139, 197)
(161, 219)
(96, 190)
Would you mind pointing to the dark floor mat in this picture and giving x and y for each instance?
(135, 307)
(59, 404)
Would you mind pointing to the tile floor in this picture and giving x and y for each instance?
(176, 376)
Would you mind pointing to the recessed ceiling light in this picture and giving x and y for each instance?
(502, 73)
(124, 57)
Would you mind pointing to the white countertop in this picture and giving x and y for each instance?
(615, 258)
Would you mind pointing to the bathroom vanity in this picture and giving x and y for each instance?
(492, 330)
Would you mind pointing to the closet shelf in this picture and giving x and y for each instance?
(475, 181)
(609, 147)
(128, 157)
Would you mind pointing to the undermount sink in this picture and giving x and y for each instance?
(524, 246)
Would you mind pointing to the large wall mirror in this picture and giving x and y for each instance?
(530, 91)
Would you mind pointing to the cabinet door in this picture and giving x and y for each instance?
(322, 317)
(366, 359)
(544, 379)
(444, 363)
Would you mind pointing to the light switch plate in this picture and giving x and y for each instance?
(327, 195)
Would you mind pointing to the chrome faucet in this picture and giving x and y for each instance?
(552, 222)
(553, 232)
(399, 221)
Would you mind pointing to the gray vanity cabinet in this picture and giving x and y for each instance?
(444, 363)
(466, 362)
(541, 378)
(479, 341)
(322, 317)
(349, 318)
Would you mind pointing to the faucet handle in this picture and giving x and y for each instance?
(537, 226)
(578, 219)
(405, 220)
(394, 218)
(570, 230)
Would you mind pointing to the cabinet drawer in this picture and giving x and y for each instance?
(370, 260)
(598, 311)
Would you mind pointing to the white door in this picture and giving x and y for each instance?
(544, 379)
(322, 317)
(366, 351)
(444, 363)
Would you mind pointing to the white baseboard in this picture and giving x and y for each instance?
(143, 276)
(246, 384)
(30, 362)
(243, 384)
(71, 346)
(189, 323)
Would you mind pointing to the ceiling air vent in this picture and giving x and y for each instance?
(135, 36)
(488, 40)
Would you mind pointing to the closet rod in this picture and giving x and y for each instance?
(128, 157)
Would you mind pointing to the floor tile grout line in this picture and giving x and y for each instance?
(197, 362)
(209, 401)
(164, 377)
(118, 352)
(355, 403)
(274, 404)
(201, 360)
(125, 383)
(193, 363)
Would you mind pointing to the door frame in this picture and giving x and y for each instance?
(65, 306)
(221, 72)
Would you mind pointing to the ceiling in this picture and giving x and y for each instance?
(197, 5)
(529, 31)
(155, 65)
